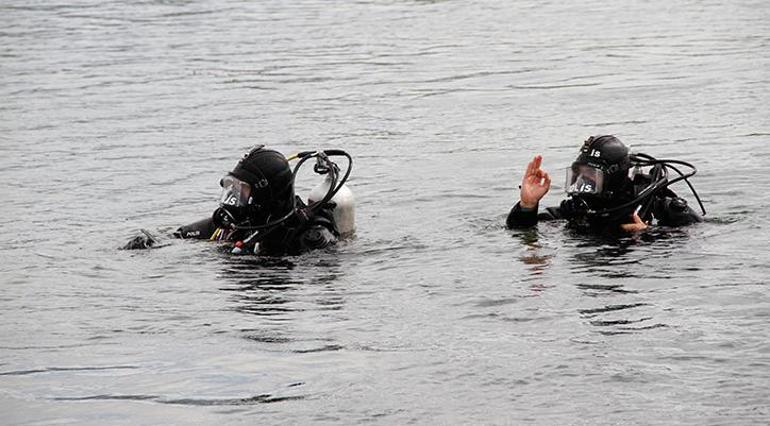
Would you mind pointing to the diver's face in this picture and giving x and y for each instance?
(235, 200)
(583, 180)
(235, 192)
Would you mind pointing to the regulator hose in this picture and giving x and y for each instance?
(660, 181)
(323, 162)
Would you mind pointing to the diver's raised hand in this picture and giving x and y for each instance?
(534, 185)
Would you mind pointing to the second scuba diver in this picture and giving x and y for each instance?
(259, 212)
(605, 194)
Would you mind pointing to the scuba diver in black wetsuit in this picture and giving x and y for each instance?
(259, 212)
(603, 196)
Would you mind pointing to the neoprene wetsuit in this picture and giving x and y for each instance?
(666, 208)
(294, 236)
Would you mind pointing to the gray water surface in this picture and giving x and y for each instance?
(116, 116)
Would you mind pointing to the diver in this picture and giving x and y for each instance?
(259, 212)
(608, 190)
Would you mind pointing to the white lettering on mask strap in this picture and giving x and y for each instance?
(582, 187)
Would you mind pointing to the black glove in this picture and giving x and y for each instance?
(143, 241)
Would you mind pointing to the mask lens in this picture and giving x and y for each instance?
(584, 179)
(235, 192)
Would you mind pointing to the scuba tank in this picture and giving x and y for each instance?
(344, 209)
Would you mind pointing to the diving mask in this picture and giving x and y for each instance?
(584, 180)
(235, 192)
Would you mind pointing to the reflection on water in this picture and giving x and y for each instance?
(623, 257)
(265, 286)
(616, 270)
(535, 259)
(260, 285)
(607, 269)
(279, 292)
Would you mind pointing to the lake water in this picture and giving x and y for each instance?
(116, 116)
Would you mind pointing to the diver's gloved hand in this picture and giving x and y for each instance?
(675, 212)
(143, 241)
(636, 226)
(534, 185)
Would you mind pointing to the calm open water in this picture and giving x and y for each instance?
(116, 116)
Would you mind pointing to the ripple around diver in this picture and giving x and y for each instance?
(251, 400)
